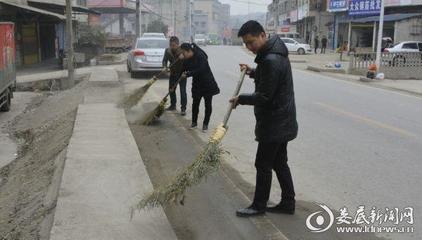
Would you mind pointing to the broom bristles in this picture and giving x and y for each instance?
(155, 114)
(136, 96)
(207, 162)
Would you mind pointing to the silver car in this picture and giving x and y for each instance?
(200, 39)
(153, 35)
(147, 55)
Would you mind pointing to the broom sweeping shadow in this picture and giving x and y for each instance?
(137, 95)
(207, 162)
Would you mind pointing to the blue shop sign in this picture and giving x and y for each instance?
(337, 5)
(364, 7)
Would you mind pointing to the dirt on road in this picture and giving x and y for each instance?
(209, 209)
(29, 184)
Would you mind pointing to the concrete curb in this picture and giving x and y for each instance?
(106, 63)
(374, 83)
(365, 79)
(298, 61)
(47, 84)
(324, 69)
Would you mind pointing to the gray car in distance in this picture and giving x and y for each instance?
(146, 55)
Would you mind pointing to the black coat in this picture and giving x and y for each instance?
(316, 42)
(273, 100)
(203, 81)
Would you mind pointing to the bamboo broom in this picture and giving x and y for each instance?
(159, 110)
(136, 96)
(207, 162)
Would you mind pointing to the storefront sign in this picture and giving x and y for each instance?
(285, 29)
(337, 5)
(364, 7)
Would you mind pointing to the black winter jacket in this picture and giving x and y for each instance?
(273, 100)
(203, 81)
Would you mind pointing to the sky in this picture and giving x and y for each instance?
(241, 6)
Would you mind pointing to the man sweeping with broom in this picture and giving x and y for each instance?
(275, 113)
(173, 55)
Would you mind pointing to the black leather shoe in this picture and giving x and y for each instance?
(286, 208)
(249, 212)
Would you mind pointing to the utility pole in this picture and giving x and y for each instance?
(172, 17)
(138, 24)
(249, 8)
(174, 26)
(190, 20)
(70, 57)
(380, 30)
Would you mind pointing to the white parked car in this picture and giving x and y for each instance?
(147, 55)
(297, 47)
(293, 35)
(399, 49)
(153, 35)
(408, 46)
(200, 39)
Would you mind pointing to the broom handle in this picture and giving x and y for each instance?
(236, 92)
(163, 71)
(173, 87)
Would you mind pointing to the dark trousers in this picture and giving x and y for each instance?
(195, 108)
(272, 156)
(183, 97)
(316, 48)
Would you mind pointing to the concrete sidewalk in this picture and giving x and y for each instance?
(413, 87)
(104, 176)
(305, 62)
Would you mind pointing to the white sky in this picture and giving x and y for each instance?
(241, 6)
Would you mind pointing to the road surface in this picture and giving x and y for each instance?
(357, 145)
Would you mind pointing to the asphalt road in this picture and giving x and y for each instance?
(357, 145)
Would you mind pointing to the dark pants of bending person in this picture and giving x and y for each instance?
(195, 108)
(272, 156)
(183, 97)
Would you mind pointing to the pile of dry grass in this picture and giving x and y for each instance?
(207, 162)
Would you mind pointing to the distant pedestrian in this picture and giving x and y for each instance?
(316, 44)
(203, 82)
(324, 42)
(275, 113)
(173, 56)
